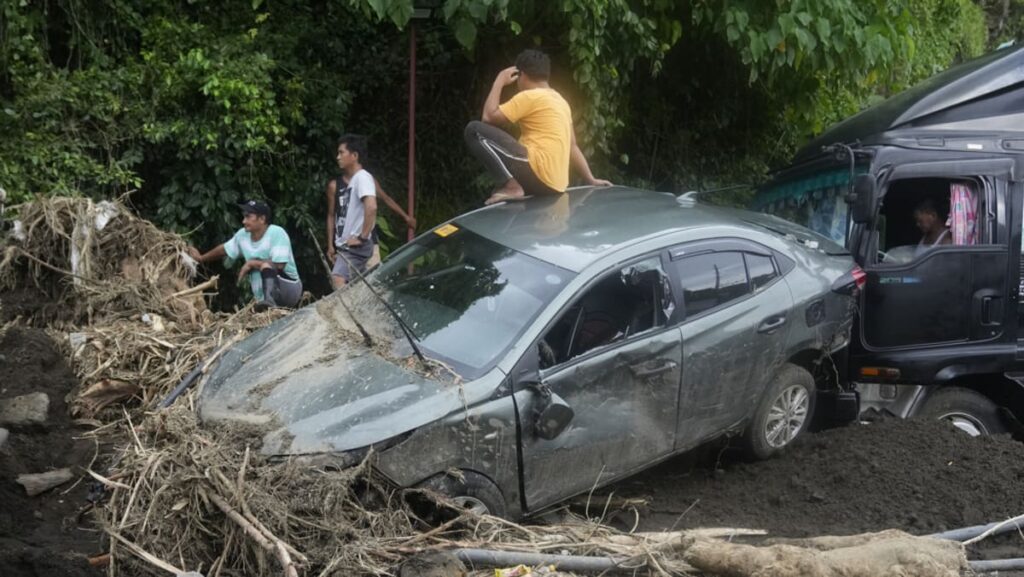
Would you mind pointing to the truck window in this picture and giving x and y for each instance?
(921, 214)
(816, 201)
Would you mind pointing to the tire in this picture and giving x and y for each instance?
(474, 492)
(784, 412)
(967, 410)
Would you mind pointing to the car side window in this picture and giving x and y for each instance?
(712, 279)
(628, 302)
(760, 269)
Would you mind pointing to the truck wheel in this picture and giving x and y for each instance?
(968, 410)
(784, 412)
(473, 492)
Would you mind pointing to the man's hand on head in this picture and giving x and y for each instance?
(507, 76)
(195, 254)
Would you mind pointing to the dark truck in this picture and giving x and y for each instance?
(937, 333)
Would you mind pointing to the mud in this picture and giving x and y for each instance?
(50, 534)
(920, 476)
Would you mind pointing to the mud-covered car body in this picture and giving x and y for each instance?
(571, 341)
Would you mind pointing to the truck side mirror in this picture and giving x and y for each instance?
(862, 199)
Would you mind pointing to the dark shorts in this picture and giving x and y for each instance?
(351, 257)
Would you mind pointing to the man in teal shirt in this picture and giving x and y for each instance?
(267, 252)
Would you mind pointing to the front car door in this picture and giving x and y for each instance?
(929, 296)
(613, 357)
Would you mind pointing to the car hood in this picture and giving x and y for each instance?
(311, 386)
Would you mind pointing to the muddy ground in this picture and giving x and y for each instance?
(922, 477)
(50, 534)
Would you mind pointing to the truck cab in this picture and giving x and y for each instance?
(926, 190)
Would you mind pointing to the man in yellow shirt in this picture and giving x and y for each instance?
(539, 162)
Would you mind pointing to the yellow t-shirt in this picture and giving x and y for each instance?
(545, 121)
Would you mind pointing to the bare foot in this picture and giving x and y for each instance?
(512, 190)
(502, 196)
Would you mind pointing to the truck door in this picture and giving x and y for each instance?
(934, 285)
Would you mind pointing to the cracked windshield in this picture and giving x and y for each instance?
(464, 298)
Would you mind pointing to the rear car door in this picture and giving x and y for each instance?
(615, 360)
(736, 314)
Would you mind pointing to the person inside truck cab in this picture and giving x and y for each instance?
(932, 226)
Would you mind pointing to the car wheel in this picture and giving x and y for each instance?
(784, 412)
(967, 410)
(473, 492)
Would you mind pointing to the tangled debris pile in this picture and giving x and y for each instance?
(98, 260)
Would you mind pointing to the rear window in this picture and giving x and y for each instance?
(795, 233)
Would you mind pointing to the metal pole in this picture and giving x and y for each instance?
(412, 124)
(574, 563)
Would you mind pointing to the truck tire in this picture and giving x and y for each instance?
(967, 410)
(783, 414)
(474, 492)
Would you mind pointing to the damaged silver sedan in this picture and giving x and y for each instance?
(526, 352)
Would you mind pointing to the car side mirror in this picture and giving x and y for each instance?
(862, 199)
(553, 417)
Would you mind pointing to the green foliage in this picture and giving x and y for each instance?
(193, 106)
(782, 72)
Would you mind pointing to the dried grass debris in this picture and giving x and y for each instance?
(97, 259)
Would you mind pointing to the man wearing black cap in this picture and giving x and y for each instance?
(267, 251)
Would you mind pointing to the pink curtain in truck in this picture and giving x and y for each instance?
(963, 214)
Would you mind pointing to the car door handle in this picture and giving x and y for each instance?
(769, 324)
(644, 371)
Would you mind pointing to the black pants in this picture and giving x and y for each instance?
(503, 157)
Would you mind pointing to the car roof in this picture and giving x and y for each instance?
(574, 229)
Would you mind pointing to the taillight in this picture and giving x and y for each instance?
(850, 283)
(859, 276)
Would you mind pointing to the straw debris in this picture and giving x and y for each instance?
(96, 260)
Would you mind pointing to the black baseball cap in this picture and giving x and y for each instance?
(255, 207)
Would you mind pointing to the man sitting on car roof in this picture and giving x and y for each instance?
(539, 162)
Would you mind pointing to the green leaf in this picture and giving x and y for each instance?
(465, 33)
(742, 19)
(478, 10)
(450, 8)
(378, 7)
(824, 28)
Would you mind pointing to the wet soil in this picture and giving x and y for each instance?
(920, 476)
(51, 533)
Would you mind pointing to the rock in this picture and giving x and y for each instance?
(28, 409)
(42, 482)
(441, 564)
(4, 433)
